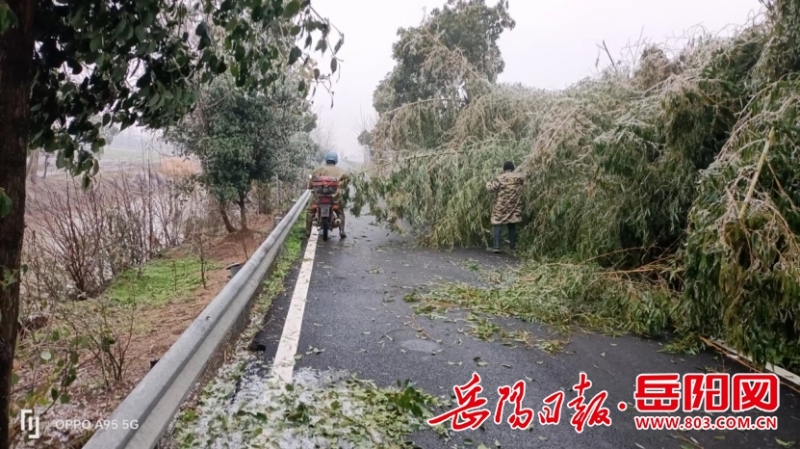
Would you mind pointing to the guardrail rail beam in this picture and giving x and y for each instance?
(157, 398)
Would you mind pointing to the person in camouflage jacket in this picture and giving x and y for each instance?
(507, 209)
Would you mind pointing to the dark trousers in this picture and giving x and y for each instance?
(512, 235)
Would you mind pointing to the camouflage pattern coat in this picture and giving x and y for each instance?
(332, 171)
(508, 204)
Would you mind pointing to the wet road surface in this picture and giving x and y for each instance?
(355, 312)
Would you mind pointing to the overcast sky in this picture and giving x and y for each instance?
(553, 44)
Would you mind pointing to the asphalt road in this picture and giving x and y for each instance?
(355, 312)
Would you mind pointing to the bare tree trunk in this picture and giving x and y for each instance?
(263, 195)
(46, 165)
(242, 212)
(16, 62)
(202, 259)
(225, 220)
(33, 166)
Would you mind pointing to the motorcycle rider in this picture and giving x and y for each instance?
(329, 169)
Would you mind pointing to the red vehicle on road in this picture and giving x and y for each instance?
(326, 211)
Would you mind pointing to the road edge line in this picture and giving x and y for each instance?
(283, 365)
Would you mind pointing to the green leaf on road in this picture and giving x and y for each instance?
(784, 443)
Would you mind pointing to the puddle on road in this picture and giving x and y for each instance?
(246, 407)
(420, 345)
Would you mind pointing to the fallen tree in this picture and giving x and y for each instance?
(684, 159)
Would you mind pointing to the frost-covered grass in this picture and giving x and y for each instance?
(245, 408)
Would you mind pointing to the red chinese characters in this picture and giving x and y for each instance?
(658, 392)
(706, 391)
(521, 417)
(591, 414)
(551, 416)
(665, 393)
(711, 393)
(755, 391)
(468, 414)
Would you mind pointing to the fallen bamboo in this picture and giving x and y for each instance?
(754, 180)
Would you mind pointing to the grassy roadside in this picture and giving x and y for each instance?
(229, 374)
(275, 283)
(90, 354)
(159, 281)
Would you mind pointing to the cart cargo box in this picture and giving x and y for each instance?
(325, 185)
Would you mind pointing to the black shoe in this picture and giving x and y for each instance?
(342, 236)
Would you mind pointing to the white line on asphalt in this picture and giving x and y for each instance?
(287, 349)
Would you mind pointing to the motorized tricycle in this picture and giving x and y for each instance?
(326, 211)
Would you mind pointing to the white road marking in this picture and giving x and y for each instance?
(287, 349)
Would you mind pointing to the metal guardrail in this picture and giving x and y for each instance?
(156, 399)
